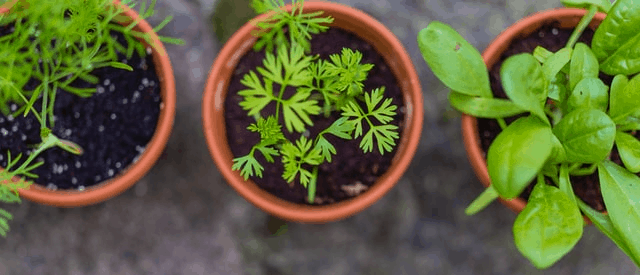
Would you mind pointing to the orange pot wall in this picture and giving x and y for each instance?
(394, 54)
(568, 18)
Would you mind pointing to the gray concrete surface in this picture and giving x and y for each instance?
(182, 218)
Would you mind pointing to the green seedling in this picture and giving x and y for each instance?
(55, 43)
(322, 87)
(571, 122)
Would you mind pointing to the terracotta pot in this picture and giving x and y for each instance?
(386, 44)
(110, 188)
(568, 18)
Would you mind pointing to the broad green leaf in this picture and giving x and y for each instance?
(483, 107)
(482, 201)
(629, 149)
(525, 84)
(554, 64)
(603, 5)
(586, 134)
(542, 54)
(584, 64)
(558, 88)
(548, 227)
(589, 93)
(617, 87)
(627, 102)
(517, 154)
(558, 153)
(604, 224)
(621, 193)
(618, 27)
(626, 60)
(454, 60)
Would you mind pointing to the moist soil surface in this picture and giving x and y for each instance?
(351, 171)
(553, 38)
(113, 126)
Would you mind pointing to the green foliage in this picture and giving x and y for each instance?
(587, 135)
(300, 26)
(616, 41)
(583, 65)
(621, 192)
(525, 84)
(56, 43)
(603, 5)
(384, 133)
(308, 81)
(349, 71)
(454, 60)
(573, 120)
(548, 227)
(510, 173)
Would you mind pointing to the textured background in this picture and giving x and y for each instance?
(182, 218)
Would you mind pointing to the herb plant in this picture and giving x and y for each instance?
(56, 43)
(321, 88)
(573, 121)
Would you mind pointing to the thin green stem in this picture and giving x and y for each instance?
(279, 100)
(52, 103)
(629, 127)
(548, 112)
(47, 143)
(584, 171)
(574, 166)
(502, 123)
(311, 188)
(366, 117)
(43, 111)
(584, 22)
(540, 178)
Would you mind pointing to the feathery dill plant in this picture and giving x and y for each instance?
(56, 42)
(322, 87)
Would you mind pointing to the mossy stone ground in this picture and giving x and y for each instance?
(182, 218)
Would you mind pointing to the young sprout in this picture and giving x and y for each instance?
(337, 82)
(56, 43)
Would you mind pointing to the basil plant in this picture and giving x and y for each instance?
(571, 122)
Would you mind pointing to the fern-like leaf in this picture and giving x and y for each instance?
(269, 129)
(351, 73)
(383, 113)
(5, 217)
(257, 96)
(295, 156)
(384, 134)
(248, 166)
(297, 109)
(299, 25)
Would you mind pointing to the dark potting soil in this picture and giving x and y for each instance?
(351, 172)
(553, 38)
(113, 126)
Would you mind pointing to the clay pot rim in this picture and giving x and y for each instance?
(130, 175)
(215, 91)
(491, 55)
